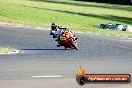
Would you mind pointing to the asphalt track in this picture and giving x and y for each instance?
(40, 59)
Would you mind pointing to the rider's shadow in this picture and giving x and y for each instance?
(43, 49)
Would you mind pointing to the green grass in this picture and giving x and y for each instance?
(5, 50)
(76, 15)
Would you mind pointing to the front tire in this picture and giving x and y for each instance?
(72, 44)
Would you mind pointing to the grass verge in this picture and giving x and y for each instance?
(76, 15)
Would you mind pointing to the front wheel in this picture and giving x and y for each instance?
(73, 44)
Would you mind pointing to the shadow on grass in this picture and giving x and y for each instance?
(43, 49)
(117, 7)
(125, 20)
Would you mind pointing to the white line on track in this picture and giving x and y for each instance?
(48, 76)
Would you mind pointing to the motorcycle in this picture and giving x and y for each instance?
(67, 41)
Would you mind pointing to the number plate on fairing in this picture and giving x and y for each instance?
(62, 38)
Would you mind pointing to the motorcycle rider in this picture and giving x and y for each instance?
(56, 31)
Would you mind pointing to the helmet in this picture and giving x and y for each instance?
(53, 26)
